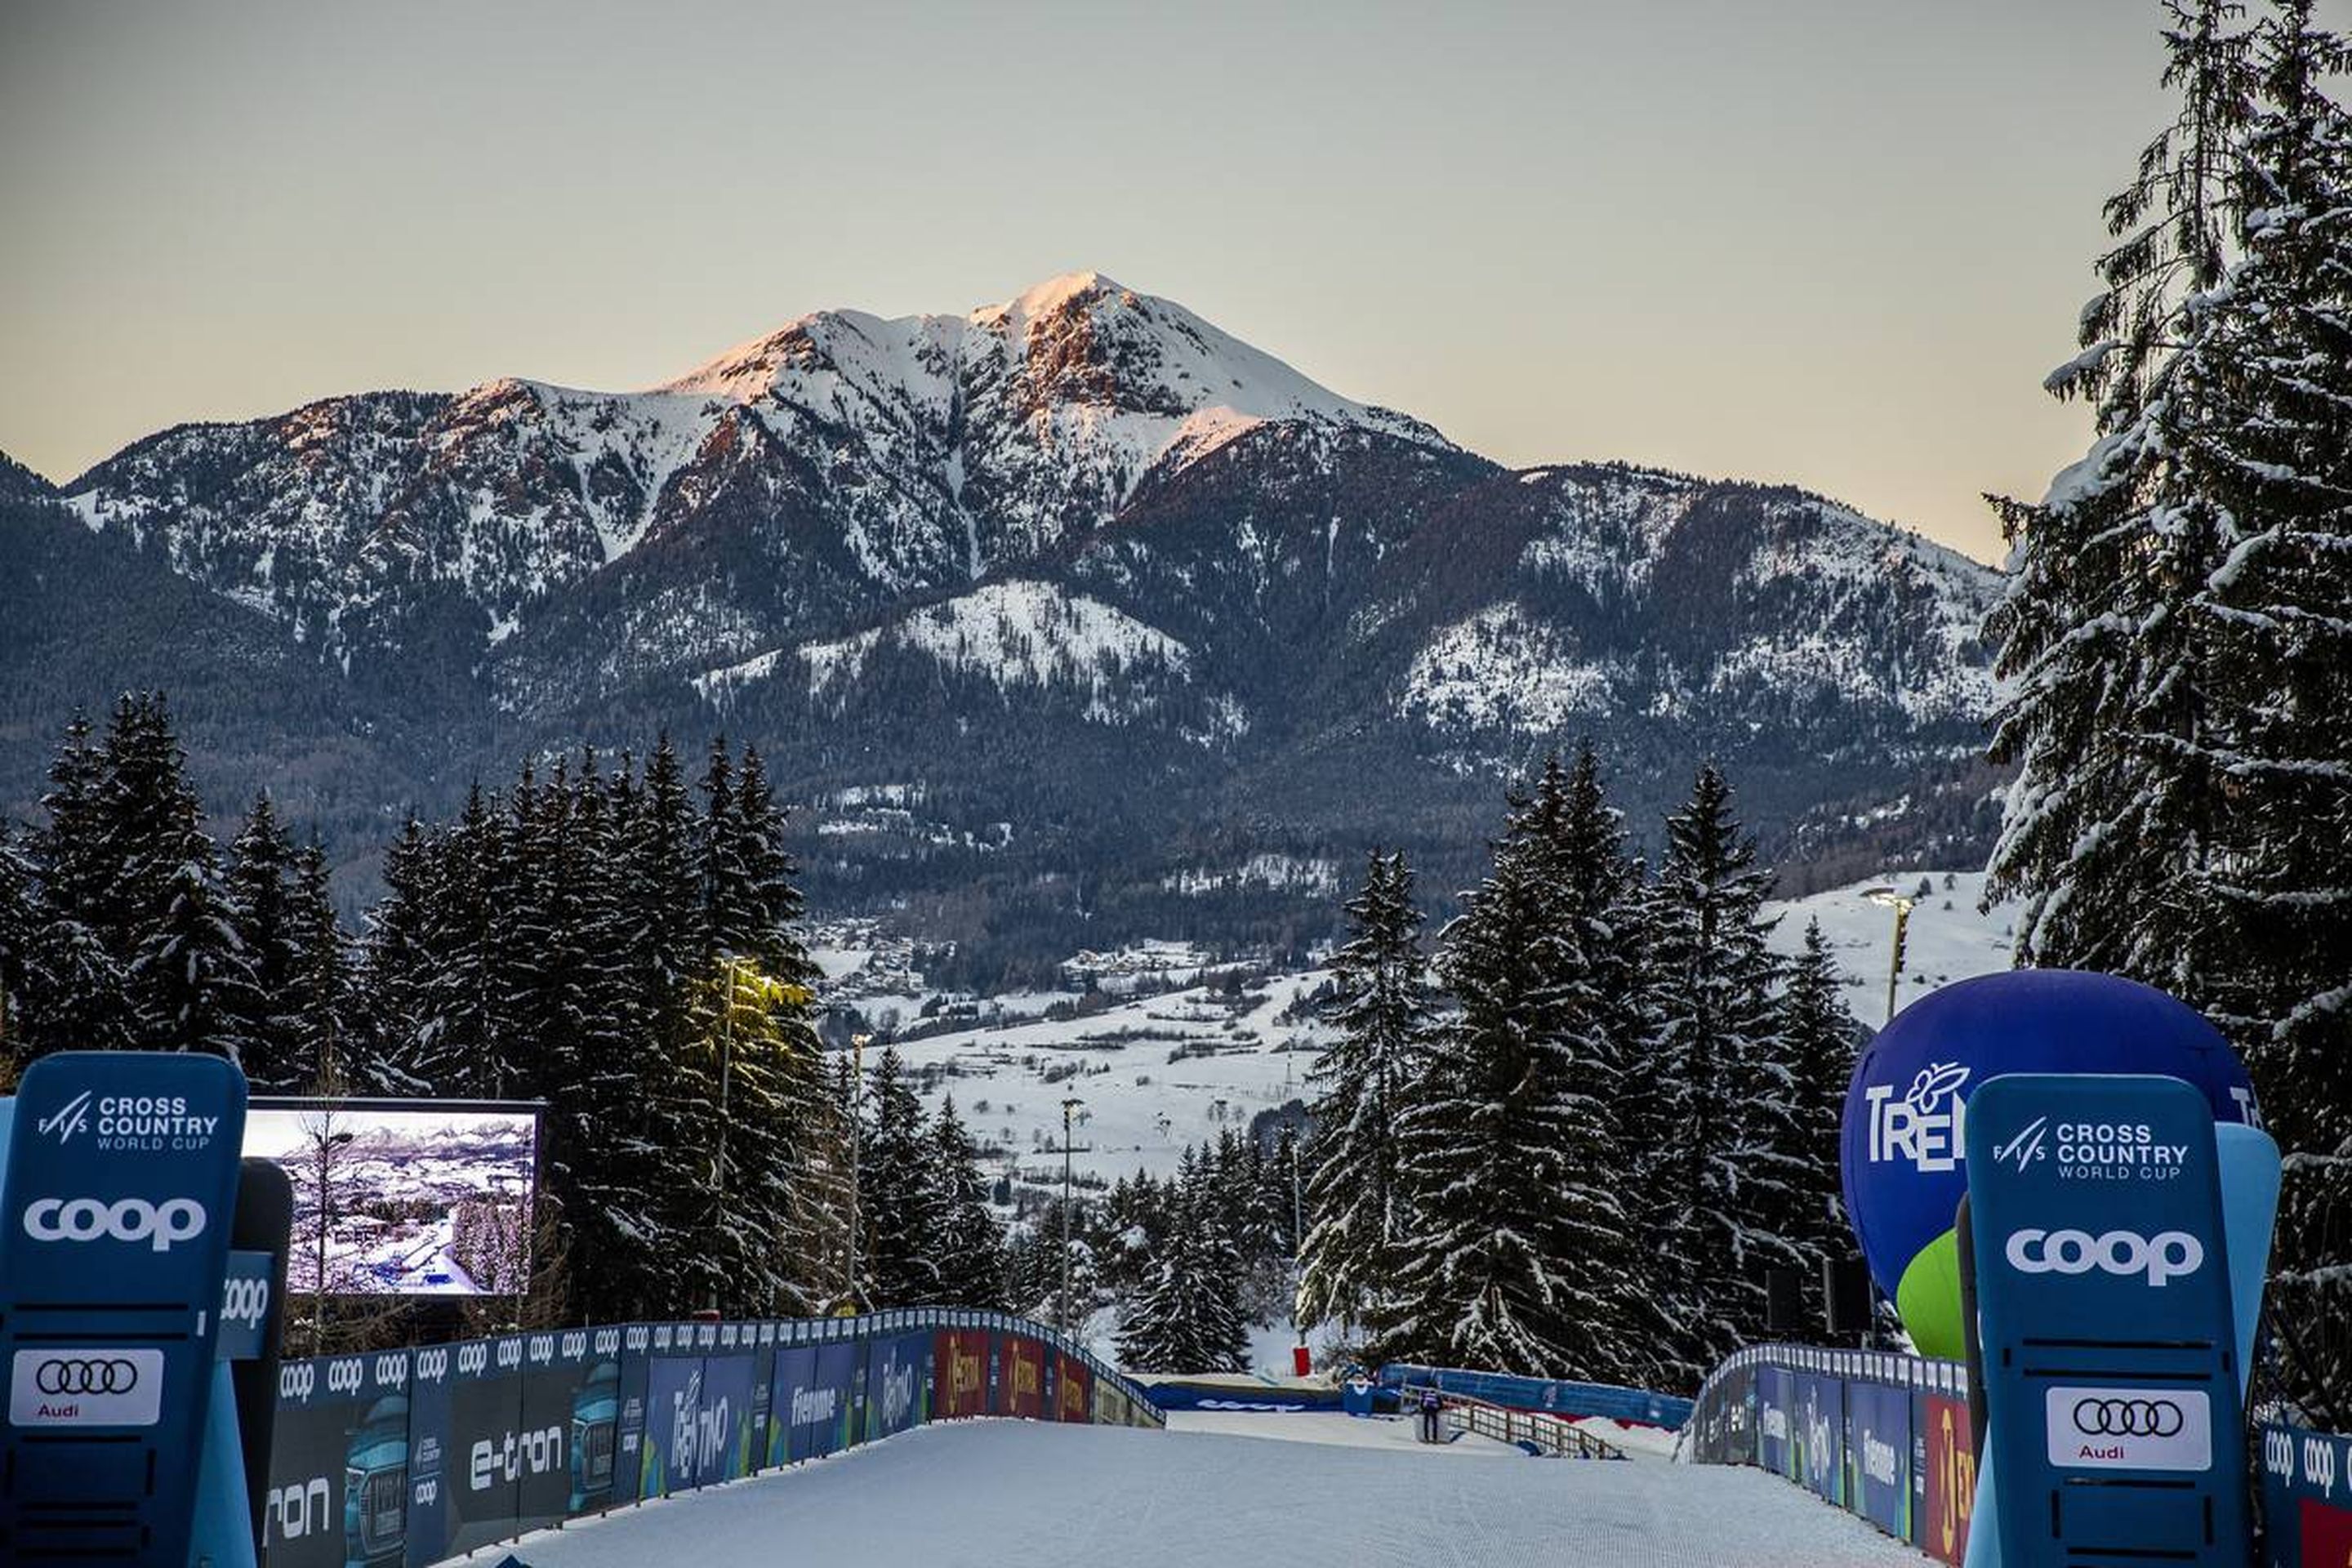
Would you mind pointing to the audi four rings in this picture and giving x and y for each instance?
(107, 1375)
(2128, 1417)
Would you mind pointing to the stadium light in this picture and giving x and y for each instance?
(1902, 904)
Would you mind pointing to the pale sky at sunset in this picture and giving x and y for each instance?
(1836, 242)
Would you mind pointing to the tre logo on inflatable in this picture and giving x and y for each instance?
(1904, 1145)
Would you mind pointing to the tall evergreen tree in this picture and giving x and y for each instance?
(971, 1242)
(1729, 1110)
(899, 1198)
(1817, 1042)
(1381, 1014)
(259, 901)
(316, 1015)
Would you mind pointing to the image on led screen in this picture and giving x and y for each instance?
(404, 1197)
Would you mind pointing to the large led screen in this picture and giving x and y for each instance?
(404, 1197)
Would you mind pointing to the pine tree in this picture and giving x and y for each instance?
(1729, 1110)
(1189, 1318)
(192, 974)
(20, 920)
(1381, 1014)
(897, 1197)
(971, 1242)
(397, 970)
(1817, 1040)
(1508, 1152)
(316, 1012)
(259, 905)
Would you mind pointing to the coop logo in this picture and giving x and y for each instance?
(298, 1510)
(608, 1342)
(514, 1456)
(2319, 1464)
(2160, 1259)
(345, 1376)
(576, 1345)
(812, 1405)
(161, 1225)
(509, 1354)
(391, 1371)
(129, 1123)
(296, 1380)
(2024, 1148)
(432, 1364)
(473, 1358)
(2278, 1454)
(541, 1349)
(245, 1301)
(1928, 1127)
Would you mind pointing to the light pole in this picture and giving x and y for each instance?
(857, 1142)
(1297, 1238)
(1902, 905)
(1063, 1315)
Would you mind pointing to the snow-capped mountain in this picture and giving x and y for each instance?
(1083, 567)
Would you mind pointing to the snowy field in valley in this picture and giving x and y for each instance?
(987, 1492)
(1238, 1056)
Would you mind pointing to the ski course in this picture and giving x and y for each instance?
(1356, 1493)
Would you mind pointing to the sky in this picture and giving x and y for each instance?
(1830, 242)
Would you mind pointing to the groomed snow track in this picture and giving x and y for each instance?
(1341, 1491)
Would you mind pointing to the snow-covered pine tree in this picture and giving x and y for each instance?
(1508, 1155)
(2177, 627)
(971, 1242)
(1818, 1040)
(317, 1014)
(396, 971)
(1381, 1013)
(1188, 1319)
(257, 899)
(897, 1197)
(1725, 1169)
(2106, 694)
(192, 975)
(19, 920)
(2276, 887)
(462, 1034)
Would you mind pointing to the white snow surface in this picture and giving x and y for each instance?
(1948, 938)
(986, 1492)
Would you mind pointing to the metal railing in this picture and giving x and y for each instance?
(1525, 1428)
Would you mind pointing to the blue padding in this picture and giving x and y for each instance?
(1553, 1397)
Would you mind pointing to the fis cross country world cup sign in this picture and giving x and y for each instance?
(2104, 1296)
(1905, 1143)
(122, 1181)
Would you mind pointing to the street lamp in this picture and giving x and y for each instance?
(328, 1142)
(1902, 905)
(1069, 1106)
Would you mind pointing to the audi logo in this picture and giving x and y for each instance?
(106, 1376)
(2128, 1417)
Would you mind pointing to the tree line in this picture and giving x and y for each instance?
(606, 938)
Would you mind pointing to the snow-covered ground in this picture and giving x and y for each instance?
(985, 1492)
(1949, 940)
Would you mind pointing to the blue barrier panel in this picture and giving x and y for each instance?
(897, 1384)
(1776, 1420)
(121, 1187)
(673, 1400)
(2110, 1344)
(432, 1373)
(1180, 1393)
(1917, 1534)
(339, 1468)
(763, 1392)
(563, 1459)
(2306, 1498)
(1821, 1436)
(1879, 1456)
(722, 1428)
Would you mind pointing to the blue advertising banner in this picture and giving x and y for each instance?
(673, 1400)
(1776, 1414)
(897, 1384)
(2103, 1284)
(791, 1402)
(763, 1392)
(2306, 1499)
(1819, 1437)
(120, 1188)
(722, 1425)
(832, 1426)
(629, 1433)
(338, 1485)
(1879, 1456)
(433, 1370)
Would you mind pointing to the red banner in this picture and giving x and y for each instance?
(1951, 1479)
(1072, 1397)
(1024, 1377)
(2327, 1535)
(959, 1372)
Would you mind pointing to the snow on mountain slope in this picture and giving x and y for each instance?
(1016, 633)
(1948, 938)
(1501, 670)
(1037, 415)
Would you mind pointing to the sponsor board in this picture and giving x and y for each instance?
(1951, 1479)
(2129, 1428)
(86, 1386)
